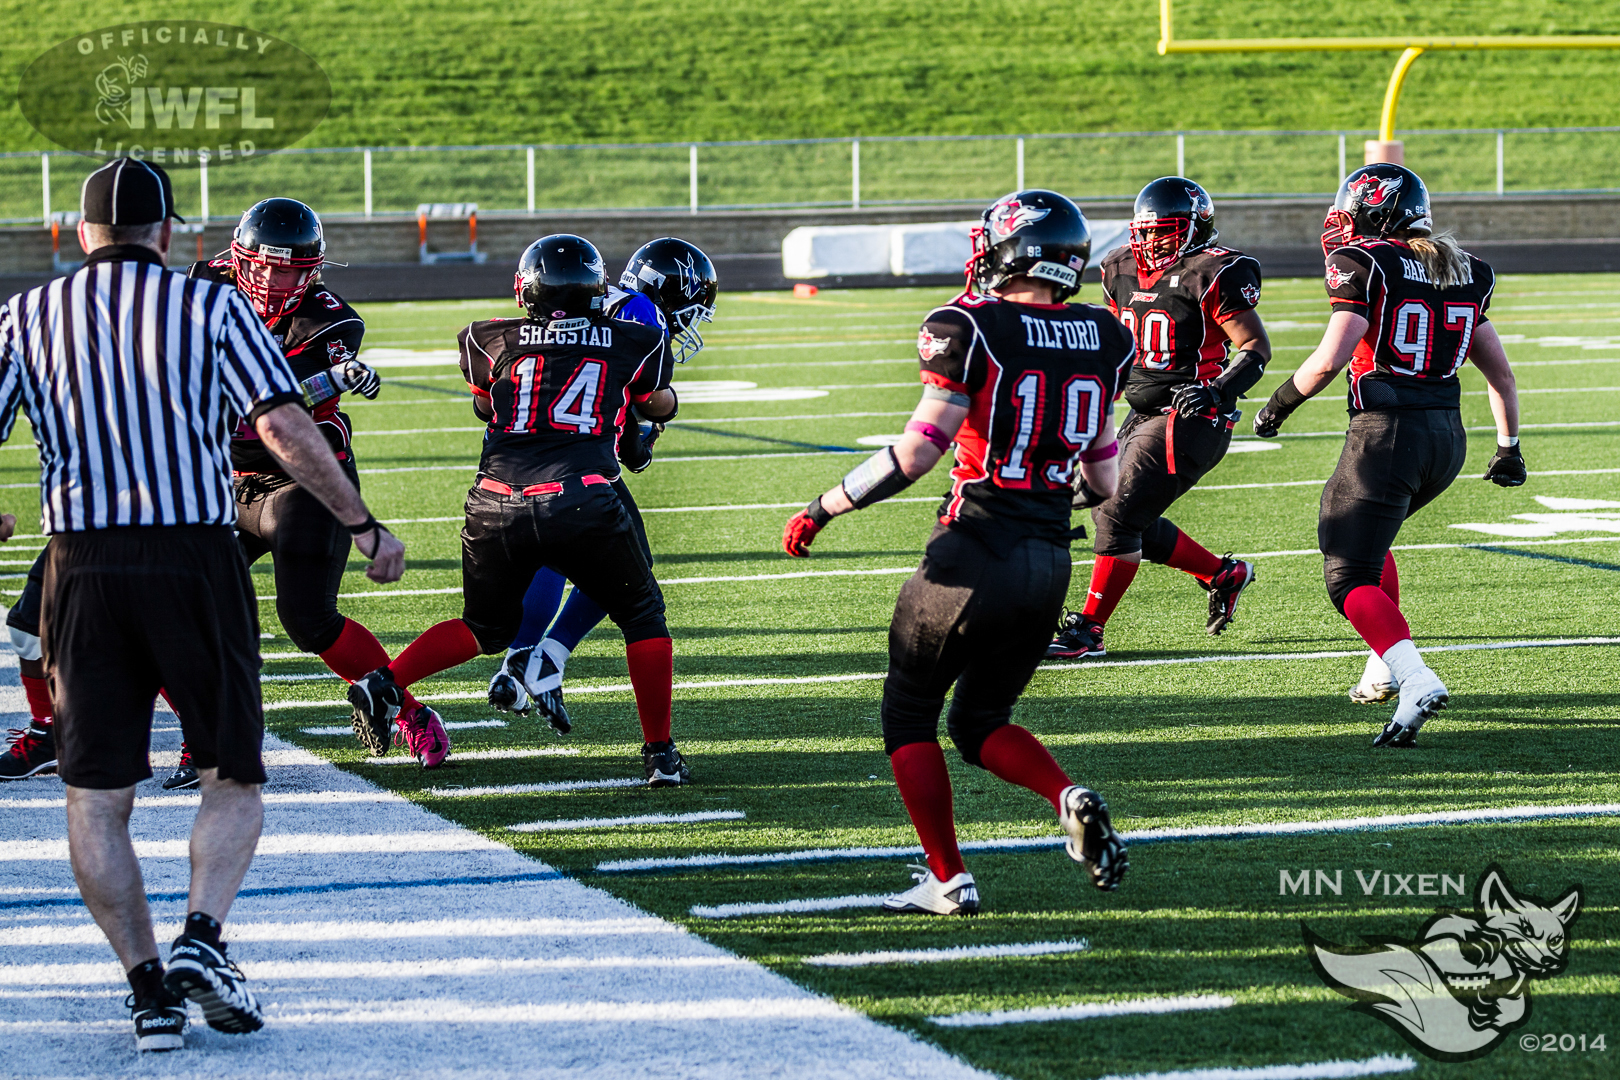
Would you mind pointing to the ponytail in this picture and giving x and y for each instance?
(1443, 259)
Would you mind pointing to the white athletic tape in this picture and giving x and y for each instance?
(623, 822)
(935, 956)
(1084, 1011)
(530, 789)
(1316, 1070)
(786, 907)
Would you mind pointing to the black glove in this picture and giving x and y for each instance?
(634, 453)
(357, 378)
(1269, 420)
(1507, 467)
(1084, 497)
(1197, 400)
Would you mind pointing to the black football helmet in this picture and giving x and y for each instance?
(1377, 201)
(680, 279)
(1034, 233)
(1173, 218)
(277, 234)
(560, 276)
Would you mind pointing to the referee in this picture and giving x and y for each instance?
(133, 377)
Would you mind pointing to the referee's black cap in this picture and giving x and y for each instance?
(127, 191)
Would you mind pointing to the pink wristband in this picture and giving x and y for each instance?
(1102, 454)
(931, 433)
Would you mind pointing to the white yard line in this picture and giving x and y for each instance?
(485, 755)
(785, 907)
(449, 725)
(626, 822)
(532, 789)
(935, 956)
(1315, 1070)
(1084, 1011)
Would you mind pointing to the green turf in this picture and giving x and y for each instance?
(436, 73)
(1167, 745)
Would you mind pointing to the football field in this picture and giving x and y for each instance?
(779, 665)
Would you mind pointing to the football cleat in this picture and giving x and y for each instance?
(1078, 637)
(159, 1025)
(663, 765)
(931, 896)
(199, 971)
(1092, 842)
(544, 680)
(32, 751)
(421, 731)
(376, 700)
(506, 692)
(185, 773)
(1422, 698)
(1373, 693)
(1225, 587)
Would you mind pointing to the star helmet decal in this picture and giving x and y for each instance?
(1373, 190)
(691, 284)
(1201, 204)
(1009, 215)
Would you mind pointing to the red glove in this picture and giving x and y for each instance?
(801, 530)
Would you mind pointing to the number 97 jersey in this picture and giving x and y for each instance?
(1040, 381)
(1418, 334)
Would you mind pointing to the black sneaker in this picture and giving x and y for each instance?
(663, 765)
(159, 1025)
(376, 700)
(185, 774)
(1225, 587)
(1092, 842)
(32, 751)
(506, 692)
(1077, 638)
(545, 688)
(202, 973)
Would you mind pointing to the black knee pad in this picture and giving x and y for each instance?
(1159, 540)
(908, 717)
(1345, 577)
(495, 635)
(1114, 536)
(311, 631)
(645, 620)
(969, 725)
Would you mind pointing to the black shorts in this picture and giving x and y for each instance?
(1161, 458)
(308, 546)
(583, 532)
(24, 614)
(131, 610)
(976, 619)
(1393, 464)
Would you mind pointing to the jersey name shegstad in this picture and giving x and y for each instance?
(550, 334)
(1045, 334)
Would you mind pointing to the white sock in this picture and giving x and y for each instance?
(1376, 673)
(1404, 662)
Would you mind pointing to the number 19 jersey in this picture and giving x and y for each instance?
(1040, 379)
(559, 391)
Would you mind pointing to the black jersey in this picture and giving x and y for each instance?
(1417, 335)
(321, 331)
(1176, 316)
(559, 390)
(1041, 379)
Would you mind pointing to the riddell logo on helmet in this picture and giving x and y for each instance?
(1374, 190)
(1008, 217)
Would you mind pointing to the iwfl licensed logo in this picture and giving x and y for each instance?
(1457, 989)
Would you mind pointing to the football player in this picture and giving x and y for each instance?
(1408, 309)
(31, 751)
(670, 284)
(1024, 383)
(1188, 302)
(275, 260)
(554, 387)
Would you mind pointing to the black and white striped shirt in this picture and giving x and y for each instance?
(133, 377)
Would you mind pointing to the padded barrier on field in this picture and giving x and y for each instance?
(818, 251)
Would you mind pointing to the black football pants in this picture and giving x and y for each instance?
(583, 532)
(308, 547)
(1393, 464)
(1161, 458)
(975, 619)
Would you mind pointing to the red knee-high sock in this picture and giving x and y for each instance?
(1018, 757)
(1110, 577)
(357, 653)
(652, 673)
(1193, 558)
(925, 785)
(1376, 618)
(1390, 580)
(441, 646)
(39, 698)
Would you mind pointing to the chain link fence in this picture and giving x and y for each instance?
(886, 171)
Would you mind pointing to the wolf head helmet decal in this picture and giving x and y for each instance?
(1457, 989)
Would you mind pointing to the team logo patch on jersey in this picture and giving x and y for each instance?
(930, 347)
(1010, 215)
(1374, 190)
(1336, 278)
(338, 353)
(1144, 297)
(1251, 293)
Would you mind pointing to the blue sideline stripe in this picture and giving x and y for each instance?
(1590, 563)
(329, 887)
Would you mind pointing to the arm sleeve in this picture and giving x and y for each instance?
(945, 352)
(254, 375)
(1349, 280)
(1237, 289)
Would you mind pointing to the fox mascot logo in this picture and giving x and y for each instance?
(1463, 984)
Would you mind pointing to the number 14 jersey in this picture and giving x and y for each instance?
(559, 391)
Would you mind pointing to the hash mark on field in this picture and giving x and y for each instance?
(485, 755)
(617, 822)
(1315, 1070)
(1084, 1011)
(530, 789)
(449, 725)
(785, 907)
(961, 952)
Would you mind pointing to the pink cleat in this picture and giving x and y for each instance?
(422, 732)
